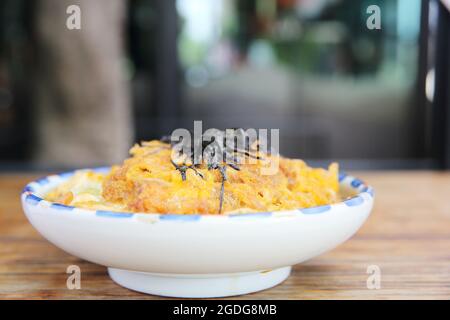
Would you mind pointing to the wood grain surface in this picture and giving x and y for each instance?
(407, 237)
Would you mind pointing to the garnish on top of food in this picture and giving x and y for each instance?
(150, 181)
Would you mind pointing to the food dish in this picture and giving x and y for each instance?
(149, 182)
(197, 255)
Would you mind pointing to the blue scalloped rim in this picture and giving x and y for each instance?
(32, 199)
(315, 210)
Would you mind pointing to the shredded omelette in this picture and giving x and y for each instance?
(148, 182)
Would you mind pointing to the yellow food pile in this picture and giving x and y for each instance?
(149, 182)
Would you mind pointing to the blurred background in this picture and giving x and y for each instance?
(136, 70)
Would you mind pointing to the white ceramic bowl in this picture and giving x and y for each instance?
(197, 255)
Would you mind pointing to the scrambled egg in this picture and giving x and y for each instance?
(84, 190)
(149, 182)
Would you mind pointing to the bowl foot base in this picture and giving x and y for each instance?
(199, 285)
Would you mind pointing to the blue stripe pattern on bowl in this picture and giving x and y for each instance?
(179, 217)
(32, 199)
(356, 183)
(43, 181)
(113, 214)
(59, 206)
(28, 189)
(355, 201)
(315, 210)
(369, 191)
(66, 175)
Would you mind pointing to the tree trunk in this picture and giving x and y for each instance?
(82, 96)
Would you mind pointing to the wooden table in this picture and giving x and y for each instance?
(407, 237)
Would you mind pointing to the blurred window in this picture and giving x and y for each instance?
(310, 68)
